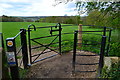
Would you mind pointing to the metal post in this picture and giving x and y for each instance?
(12, 58)
(51, 31)
(102, 52)
(60, 38)
(74, 50)
(108, 46)
(24, 48)
(29, 42)
(104, 32)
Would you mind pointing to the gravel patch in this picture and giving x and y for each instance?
(60, 66)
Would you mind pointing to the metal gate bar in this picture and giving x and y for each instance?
(44, 58)
(47, 44)
(40, 53)
(43, 27)
(42, 45)
(102, 50)
(109, 39)
(47, 47)
(43, 37)
(29, 42)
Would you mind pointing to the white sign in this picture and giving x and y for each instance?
(11, 58)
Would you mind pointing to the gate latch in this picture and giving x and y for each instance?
(51, 31)
(57, 25)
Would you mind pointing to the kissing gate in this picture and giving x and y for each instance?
(19, 56)
(47, 46)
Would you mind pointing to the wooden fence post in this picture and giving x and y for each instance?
(80, 35)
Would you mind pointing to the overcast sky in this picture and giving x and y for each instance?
(36, 8)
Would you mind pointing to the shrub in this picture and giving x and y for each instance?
(113, 73)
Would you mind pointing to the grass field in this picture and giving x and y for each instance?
(0, 41)
(10, 29)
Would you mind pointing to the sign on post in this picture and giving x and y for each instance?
(9, 43)
(11, 58)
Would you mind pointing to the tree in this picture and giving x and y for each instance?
(96, 18)
(110, 8)
(5, 18)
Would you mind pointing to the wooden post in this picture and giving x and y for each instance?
(80, 35)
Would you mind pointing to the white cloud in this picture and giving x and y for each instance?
(6, 5)
(17, 1)
(97, 0)
(36, 8)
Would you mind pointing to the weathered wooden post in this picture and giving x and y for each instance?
(80, 35)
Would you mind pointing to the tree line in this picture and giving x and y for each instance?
(61, 19)
(5, 18)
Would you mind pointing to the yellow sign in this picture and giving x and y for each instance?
(9, 43)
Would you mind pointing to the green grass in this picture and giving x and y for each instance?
(113, 73)
(0, 41)
(10, 29)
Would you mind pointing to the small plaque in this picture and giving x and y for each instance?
(9, 43)
(11, 58)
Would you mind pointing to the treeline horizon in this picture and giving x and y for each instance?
(5, 18)
(61, 19)
(95, 17)
(48, 19)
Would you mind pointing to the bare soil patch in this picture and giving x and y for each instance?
(60, 66)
